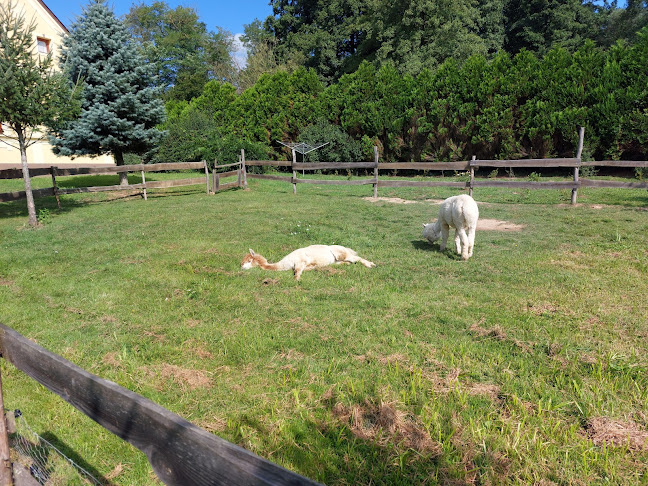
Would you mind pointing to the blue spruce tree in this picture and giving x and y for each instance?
(120, 102)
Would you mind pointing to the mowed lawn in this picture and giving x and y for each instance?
(526, 364)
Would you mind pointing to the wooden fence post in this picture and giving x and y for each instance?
(6, 477)
(238, 172)
(243, 169)
(56, 194)
(206, 174)
(144, 184)
(472, 177)
(375, 185)
(579, 153)
(294, 161)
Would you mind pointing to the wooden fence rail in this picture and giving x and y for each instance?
(240, 173)
(141, 168)
(473, 165)
(180, 453)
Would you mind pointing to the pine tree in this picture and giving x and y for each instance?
(33, 95)
(121, 105)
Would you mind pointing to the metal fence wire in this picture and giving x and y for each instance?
(46, 464)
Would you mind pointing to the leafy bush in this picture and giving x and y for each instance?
(340, 146)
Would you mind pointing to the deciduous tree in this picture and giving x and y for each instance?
(32, 94)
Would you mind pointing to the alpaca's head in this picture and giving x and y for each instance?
(430, 233)
(250, 260)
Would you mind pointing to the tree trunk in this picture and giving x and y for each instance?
(119, 161)
(31, 207)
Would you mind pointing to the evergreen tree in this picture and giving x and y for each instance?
(32, 94)
(120, 105)
(540, 25)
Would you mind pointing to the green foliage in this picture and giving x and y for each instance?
(184, 52)
(499, 108)
(341, 147)
(32, 93)
(120, 108)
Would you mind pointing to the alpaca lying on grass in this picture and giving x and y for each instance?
(461, 213)
(307, 258)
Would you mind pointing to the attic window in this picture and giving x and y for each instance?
(43, 45)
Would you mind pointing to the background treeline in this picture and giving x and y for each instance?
(505, 107)
(422, 79)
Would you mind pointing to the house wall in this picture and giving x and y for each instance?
(50, 29)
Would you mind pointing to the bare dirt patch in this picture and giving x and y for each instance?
(482, 224)
(603, 430)
(498, 225)
(395, 200)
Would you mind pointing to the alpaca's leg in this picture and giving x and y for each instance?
(445, 231)
(471, 241)
(464, 243)
(298, 271)
(457, 242)
(357, 259)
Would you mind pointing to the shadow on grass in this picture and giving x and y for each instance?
(78, 461)
(338, 456)
(434, 247)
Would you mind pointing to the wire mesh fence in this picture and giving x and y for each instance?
(46, 464)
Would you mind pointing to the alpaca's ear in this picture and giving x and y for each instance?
(251, 252)
(424, 225)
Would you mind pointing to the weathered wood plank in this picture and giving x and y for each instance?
(333, 165)
(229, 185)
(81, 190)
(275, 163)
(424, 165)
(616, 163)
(181, 453)
(224, 166)
(270, 177)
(527, 184)
(325, 182)
(529, 163)
(228, 173)
(173, 183)
(435, 183)
(17, 195)
(62, 171)
(600, 183)
(17, 173)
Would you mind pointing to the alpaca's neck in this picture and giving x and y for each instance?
(280, 265)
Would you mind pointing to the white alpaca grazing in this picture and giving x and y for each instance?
(307, 258)
(461, 213)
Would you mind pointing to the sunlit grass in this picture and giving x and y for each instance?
(423, 369)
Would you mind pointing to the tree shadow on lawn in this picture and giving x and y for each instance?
(334, 452)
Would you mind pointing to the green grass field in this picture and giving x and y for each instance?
(526, 364)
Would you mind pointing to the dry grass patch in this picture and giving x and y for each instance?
(384, 424)
(499, 334)
(604, 430)
(185, 378)
(111, 359)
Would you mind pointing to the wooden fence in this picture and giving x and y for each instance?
(180, 453)
(470, 166)
(239, 172)
(142, 168)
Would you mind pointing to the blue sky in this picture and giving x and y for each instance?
(228, 14)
